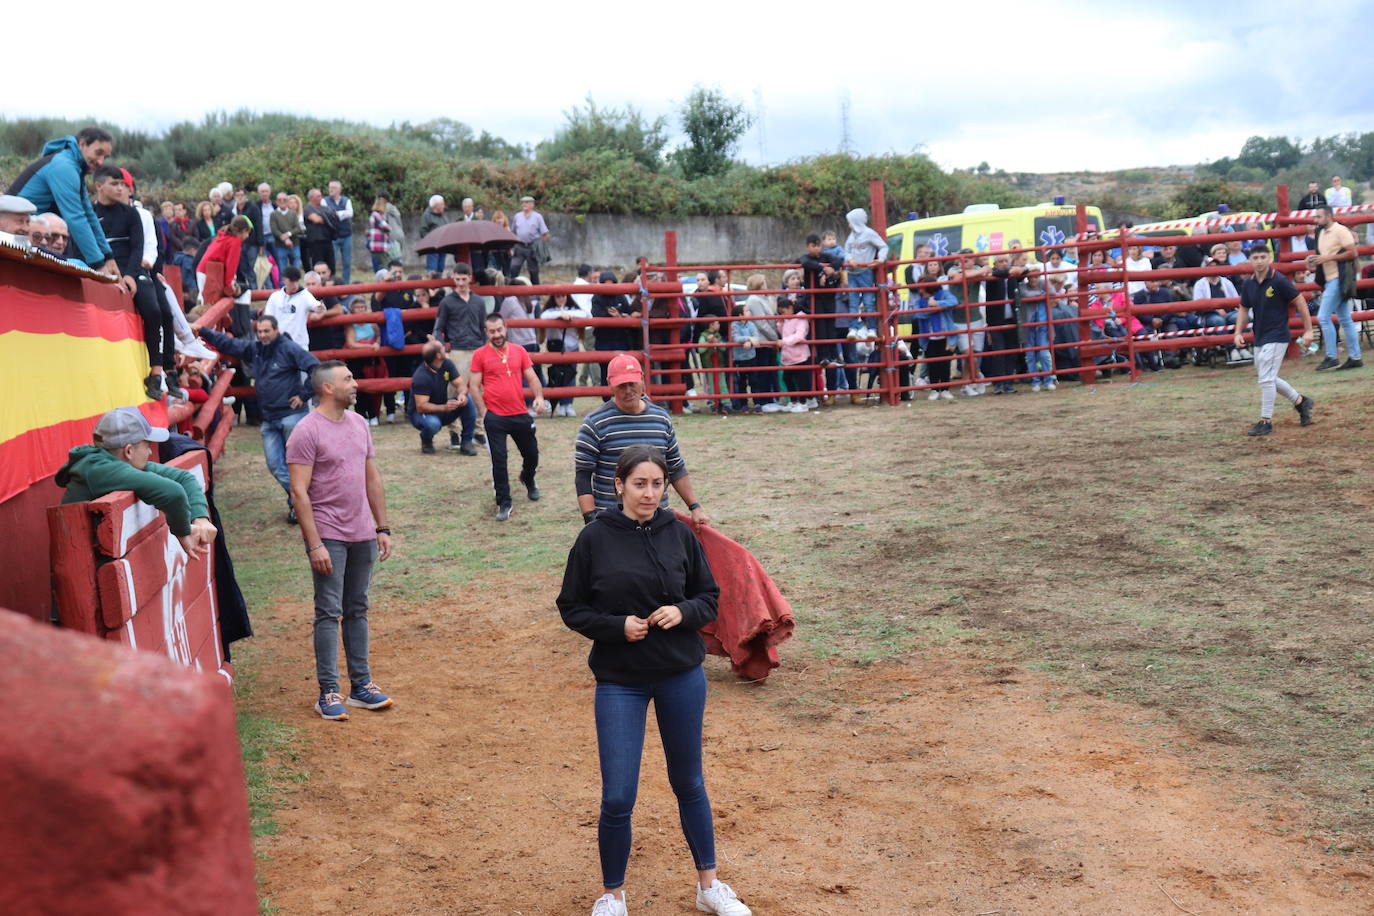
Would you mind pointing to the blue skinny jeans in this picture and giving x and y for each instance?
(621, 714)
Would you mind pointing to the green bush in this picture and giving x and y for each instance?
(1204, 196)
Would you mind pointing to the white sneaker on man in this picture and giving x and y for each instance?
(770, 407)
(972, 391)
(721, 900)
(609, 905)
(933, 396)
(812, 404)
(946, 394)
(1050, 385)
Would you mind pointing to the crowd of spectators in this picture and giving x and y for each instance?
(954, 321)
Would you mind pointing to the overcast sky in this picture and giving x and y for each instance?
(1025, 86)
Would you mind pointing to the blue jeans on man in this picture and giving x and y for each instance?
(343, 258)
(287, 256)
(275, 432)
(429, 424)
(1334, 304)
(249, 255)
(865, 301)
(434, 262)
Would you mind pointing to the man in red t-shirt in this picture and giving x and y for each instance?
(495, 383)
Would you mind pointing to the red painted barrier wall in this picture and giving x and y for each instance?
(121, 784)
(120, 574)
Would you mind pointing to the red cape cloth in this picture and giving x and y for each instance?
(753, 617)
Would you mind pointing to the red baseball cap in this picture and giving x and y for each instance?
(623, 368)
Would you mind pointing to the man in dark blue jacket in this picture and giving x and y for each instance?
(281, 370)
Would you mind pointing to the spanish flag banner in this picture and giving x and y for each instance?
(71, 348)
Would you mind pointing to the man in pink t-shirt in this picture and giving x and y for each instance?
(341, 505)
(495, 382)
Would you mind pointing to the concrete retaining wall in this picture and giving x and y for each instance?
(605, 240)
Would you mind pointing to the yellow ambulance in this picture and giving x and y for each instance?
(986, 228)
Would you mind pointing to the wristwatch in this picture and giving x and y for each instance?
(694, 507)
(384, 530)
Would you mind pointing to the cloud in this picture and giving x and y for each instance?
(1057, 86)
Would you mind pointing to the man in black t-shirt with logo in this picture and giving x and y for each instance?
(1267, 296)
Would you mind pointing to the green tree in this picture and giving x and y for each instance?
(623, 131)
(1269, 153)
(1204, 196)
(713, 125)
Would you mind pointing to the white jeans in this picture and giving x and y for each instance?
(1268, 359)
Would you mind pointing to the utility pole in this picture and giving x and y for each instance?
(845, 145)
(758, 123)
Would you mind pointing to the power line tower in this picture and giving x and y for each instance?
(758, 123)
(846, 146)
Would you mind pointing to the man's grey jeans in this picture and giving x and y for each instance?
(343, 594)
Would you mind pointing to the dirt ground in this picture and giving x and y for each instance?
(963, 725)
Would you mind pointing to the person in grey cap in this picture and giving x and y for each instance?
(14, 215)
(120, 459)
(529, 228)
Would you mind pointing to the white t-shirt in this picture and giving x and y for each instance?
(583, 300)
(291, 312)
(1140, 263)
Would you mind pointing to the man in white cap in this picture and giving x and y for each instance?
(529, 228)
(628, 418)
(432, 219)
(14, 216)
(121, 459)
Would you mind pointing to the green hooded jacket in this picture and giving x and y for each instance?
(91, 472)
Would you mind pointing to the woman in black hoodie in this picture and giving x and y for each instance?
(638, 585)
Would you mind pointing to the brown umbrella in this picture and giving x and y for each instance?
(458, 237)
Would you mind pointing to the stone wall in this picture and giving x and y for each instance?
(609, 241)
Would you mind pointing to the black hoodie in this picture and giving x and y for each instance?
(619, 568)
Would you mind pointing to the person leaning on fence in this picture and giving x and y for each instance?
(1338, 257)
(637, 584)
(1267, 296)
(610, 305)
(965, 282)
(628, 419)
(563, 375)
(794, 352)
(1031, 311)
(278, 367)
(934, 305)
(342, 501)
(438, 398)
(120, 459)
(760, 308)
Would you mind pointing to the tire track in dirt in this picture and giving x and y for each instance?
(925, 786)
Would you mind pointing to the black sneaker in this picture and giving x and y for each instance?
(1262, 428)
(426, 448)
(503, 513)
(1304, 409)
(152, 387)
(530, 490)
(1328, 363)
(454, 442)
(467, 448)
(1352, 363)
(180, 393)
(480, 439)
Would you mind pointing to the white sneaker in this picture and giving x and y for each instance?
(933, 396)
(771, 407)
(853, 334)
(609, 905)
(372, 421)
(812, 404)
(1035, 386)
(721, 900)
(1050, 386)
(229, 400)
(946, 394)
(795, 408)
(971, 391)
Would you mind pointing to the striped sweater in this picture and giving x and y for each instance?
(608, 431)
